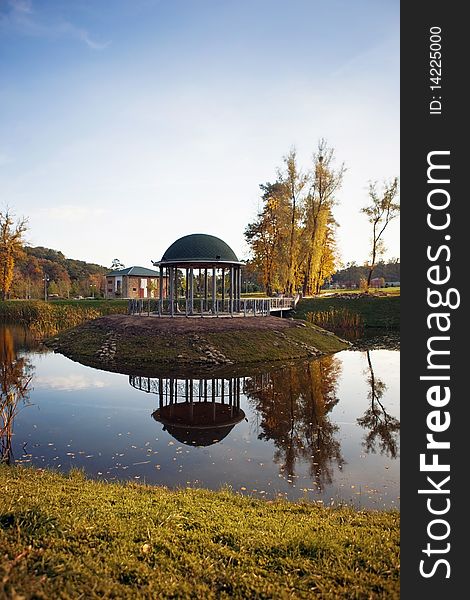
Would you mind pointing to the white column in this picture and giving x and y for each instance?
(214, 290)
(160, 291)
(172, 292)
(231, 289)
(191, 291)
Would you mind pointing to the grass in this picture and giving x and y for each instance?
(67, 537)
(390, 291)
(374, 311)
(269, 345)
(141, 351)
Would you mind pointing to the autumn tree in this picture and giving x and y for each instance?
(267, 233)
(382, 209)
(11, 247)
(294, 182)
(318, 229)
(328, 258)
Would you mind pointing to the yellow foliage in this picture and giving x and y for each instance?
(11, 248)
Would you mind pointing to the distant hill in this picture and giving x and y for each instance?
(67, 277)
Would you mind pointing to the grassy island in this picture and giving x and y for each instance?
(69, 537)
(141, 344)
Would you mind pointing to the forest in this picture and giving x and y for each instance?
(65, 277)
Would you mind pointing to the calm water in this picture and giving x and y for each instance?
(326, 430)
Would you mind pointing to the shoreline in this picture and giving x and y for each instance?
(144, 345)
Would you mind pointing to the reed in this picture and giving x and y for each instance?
(337, 320)
(48, 318)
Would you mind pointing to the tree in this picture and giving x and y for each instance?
(267, 234)
(292, 241)
(11, 247)
(381, 210)
(294, 182)
(117, 264)
(318, 223)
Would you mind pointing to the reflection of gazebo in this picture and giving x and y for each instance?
(212, 273)
(197, 412)
(199, 424)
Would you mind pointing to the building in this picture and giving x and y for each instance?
(134, 282)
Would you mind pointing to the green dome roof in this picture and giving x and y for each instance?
(199, 247)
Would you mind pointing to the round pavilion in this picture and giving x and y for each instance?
(203, 276)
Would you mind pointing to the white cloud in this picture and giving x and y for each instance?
(24, 20)
(68, 28)
(72, 213)
(22, 6)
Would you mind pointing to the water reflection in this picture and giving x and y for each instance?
(15, 387)
(325, 429)
(294, 404)
(198, 412)
(383, 428)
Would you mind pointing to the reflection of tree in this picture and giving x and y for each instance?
(15, 379)
(294, 403)
(383, 428)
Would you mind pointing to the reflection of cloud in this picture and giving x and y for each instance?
(72, 212)
(20, 17)
(68, 383)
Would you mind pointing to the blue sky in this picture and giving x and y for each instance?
(127, 124)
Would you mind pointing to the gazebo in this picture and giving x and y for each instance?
(212, 275)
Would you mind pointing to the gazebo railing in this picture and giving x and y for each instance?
(207, 307)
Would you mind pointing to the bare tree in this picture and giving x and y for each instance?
(381, 210)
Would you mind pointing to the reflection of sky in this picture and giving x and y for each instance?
(365, 471)
(94, 419)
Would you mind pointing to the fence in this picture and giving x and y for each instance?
(246, 307)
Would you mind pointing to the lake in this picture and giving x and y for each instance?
(326, 430)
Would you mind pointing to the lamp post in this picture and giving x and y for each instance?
(92, 286)
(46, 279)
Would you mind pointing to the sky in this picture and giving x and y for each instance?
(125, 125)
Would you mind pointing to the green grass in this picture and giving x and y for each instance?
(68, 537)
(141, 351)
(390, 291)
(375, 311)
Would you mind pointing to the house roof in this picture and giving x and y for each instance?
(199, 247)
(135, 271)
